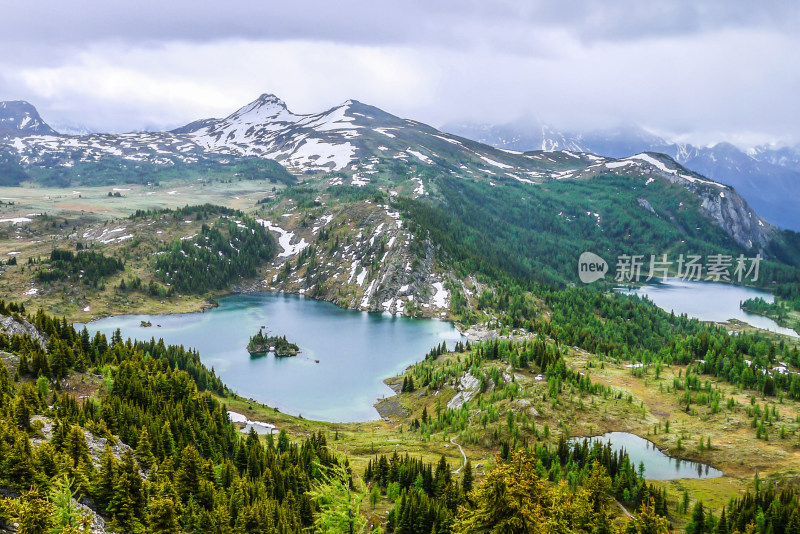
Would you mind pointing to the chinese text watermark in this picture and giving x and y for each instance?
(641, 268)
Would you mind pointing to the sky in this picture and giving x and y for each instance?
(695, 70)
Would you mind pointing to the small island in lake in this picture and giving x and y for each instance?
(261, 344)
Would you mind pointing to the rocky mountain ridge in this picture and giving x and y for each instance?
(357, 144)
(767, 176)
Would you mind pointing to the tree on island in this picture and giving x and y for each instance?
(260, 344)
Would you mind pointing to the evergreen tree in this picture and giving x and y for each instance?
(697, 524)
(283, 441)
(167, 441)
(646, 521)
(467, 479)
(106, 482)
(22, 414)
(144, 451)
(32, 511)
(187, 479)
(722, 524)
(162, 517)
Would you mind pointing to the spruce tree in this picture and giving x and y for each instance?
(76, 446)
(22, 414)
(144, 452)
(283, 441)
(104, 486)
(467, 479)
(697, 523)
(162, 517)
(722, 524)
(167, 441)
(187, 479)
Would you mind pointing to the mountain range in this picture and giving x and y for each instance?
(358, 144)
(767, 176)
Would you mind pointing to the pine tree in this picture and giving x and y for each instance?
(167, 441)
(697, 523)
(162, 517)
(187, 479)
(467, 479)
(121, 506)
(240, 458)
(722, 524)
(104, 486)
(127, 504)
(22, 414)
(144, 451)
(793, 527)
(42, 386)
(75, 445)
(283, 441)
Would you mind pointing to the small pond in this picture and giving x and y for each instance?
(657, 465)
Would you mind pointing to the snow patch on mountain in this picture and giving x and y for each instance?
(284, 239)
(419, 155)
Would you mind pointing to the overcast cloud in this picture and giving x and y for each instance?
(701, 70)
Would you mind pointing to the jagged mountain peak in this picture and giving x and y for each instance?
(19, 118)
(269, 99)
(266, 108)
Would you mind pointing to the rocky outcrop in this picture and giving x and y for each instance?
(96, 445)
(720, 203)
(468, 386)
(733, 214)
(16, 324)
(364, 259)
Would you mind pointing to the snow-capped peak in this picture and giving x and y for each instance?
(266, 108)
(19, 118)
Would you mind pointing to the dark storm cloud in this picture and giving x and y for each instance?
(446, 23)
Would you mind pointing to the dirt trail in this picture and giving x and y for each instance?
(452, 440)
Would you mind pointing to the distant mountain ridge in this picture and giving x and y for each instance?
(354, 144)
(768, 177)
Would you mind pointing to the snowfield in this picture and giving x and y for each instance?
(284, 239)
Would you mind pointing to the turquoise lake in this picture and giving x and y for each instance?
(709, 301)
(356, 350)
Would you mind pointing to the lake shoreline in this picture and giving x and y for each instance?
(356, 350)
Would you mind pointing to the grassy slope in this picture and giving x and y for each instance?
(72, 216)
